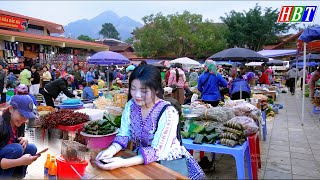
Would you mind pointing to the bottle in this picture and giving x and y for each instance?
(46, 166)
(52, 172)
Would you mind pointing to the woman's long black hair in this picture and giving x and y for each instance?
(150, 77)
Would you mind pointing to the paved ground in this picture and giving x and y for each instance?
(291, 151)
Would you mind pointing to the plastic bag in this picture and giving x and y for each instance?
(248, 124)
(255, 115)
(244, 109)
(194, 97)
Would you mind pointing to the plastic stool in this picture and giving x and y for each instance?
(254, 146)
(264, 128)
(201, 154)
(238, 152)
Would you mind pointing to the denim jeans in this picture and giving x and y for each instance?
(15, 151)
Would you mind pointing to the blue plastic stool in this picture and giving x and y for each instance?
(264, 128)
(238, 152)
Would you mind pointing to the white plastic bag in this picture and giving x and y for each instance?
(194, 97)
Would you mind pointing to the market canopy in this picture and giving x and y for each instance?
(238, 54)
(186, 62)
(312, 37)
(278, 53)
(108, 58)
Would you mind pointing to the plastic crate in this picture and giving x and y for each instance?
(34, 135)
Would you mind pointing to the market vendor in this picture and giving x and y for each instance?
(54, 88)
(209, 83)
(15, 151)
(240, 86)
(154, 138)
(312, 82)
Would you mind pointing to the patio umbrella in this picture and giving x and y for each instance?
(108, 58)
(186, 62)
(307, 36)
(309, 57)
(165, 63)
(238, 54)
(274, 62)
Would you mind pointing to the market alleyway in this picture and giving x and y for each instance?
(290, 151)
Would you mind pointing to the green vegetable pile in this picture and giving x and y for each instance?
(201, 134)
(107, 125)
(270, 101)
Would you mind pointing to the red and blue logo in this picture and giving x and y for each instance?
(297, 14)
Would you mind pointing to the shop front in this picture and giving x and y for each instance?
(26, 41)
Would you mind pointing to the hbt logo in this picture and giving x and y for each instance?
(297, 13)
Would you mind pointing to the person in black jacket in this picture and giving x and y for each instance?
(35, 81)
(15, 151)
(54, 88)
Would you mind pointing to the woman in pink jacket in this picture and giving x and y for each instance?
(177, 78)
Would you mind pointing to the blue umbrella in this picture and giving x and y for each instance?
(108, 58)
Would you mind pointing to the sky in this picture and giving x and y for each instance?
(64, 12)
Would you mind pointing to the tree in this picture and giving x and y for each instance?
(85, 38)
(129, 40)
(109, 31)
(178, 35)
(254, 29)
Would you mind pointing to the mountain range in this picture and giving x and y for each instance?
(91, 28)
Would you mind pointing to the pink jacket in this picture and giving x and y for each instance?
(172, 78)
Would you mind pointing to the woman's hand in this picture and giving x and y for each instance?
(108, 153)
(111, 163)
(23, 141)
(27, 159)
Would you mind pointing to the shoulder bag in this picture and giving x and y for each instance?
(178, 165)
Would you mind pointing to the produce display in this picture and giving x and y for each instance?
(201, 133)
(45, 108)
(247, 124)
(64, 117)
(233, 134)
(109, 124)
(102, 102)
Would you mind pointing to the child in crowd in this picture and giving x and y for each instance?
(87, 91)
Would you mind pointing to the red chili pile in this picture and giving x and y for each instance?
(64, 117)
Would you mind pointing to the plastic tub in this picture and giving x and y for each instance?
(65, 171)
(99, 141)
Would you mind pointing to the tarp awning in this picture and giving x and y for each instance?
(278, 53)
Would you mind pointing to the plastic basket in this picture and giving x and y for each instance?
(73, 151)
(65, 171)
(99, 141)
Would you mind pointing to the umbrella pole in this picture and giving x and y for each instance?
(240, 91)
(304, 74)
(108, 79)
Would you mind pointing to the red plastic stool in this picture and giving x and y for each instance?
(254, 146)
(201, 153)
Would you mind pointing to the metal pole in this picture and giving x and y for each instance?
(295, 80)
(304, 74)
(108, 79)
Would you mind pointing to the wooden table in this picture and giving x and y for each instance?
(150, 171)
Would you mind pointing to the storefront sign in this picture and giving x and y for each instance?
(13, 22)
